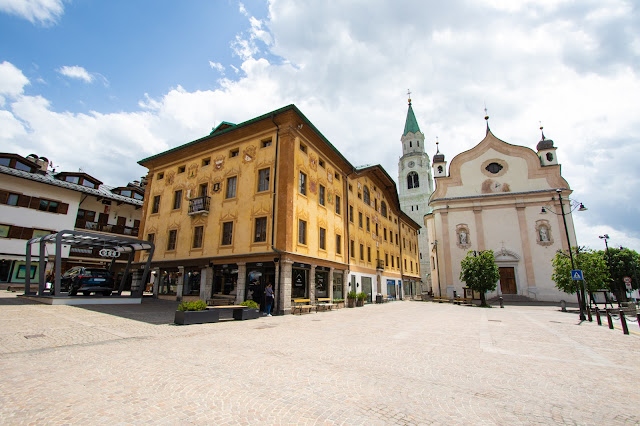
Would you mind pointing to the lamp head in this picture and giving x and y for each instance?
(604, 237)
(582, 208)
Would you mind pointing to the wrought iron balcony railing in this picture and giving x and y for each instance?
(199, 205)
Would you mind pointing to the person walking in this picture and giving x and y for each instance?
(268, 299)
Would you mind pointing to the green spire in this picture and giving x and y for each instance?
(411, 125)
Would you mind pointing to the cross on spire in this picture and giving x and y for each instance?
(409, 95)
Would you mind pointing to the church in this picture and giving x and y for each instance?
(506, 198)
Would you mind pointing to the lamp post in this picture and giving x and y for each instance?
(581, 297)
(605, 237)
(435, 246)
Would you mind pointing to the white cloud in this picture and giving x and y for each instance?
(46, 12)
(12, 80)
(76, 72)
(217, 66)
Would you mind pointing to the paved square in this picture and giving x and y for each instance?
(396, 363)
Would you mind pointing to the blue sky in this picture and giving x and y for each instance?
(99, 85)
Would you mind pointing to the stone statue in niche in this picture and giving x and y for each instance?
(544, 234)
(463, 237)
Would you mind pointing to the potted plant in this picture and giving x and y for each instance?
(252, 311)
(361, 298)
(195, 313)
(351, 299)
(339, 303)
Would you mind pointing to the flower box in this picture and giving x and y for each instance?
(196, 317)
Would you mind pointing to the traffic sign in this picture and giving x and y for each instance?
(577, 275)
(628, 286)
(627, 279)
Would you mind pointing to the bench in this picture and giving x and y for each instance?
(300, 305)
(238, 312)
(463, 301)
(221, 301)
(325, 303)
(441, 299)
(388, 299)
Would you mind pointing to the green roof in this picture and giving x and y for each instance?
(411, 125)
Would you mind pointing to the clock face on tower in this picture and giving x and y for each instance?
(411, 164)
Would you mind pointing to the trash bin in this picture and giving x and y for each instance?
(378, 298)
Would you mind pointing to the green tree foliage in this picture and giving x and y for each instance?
(593, 266)
(624, 263)
(480, 272)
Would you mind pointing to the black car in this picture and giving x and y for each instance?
(86, 280)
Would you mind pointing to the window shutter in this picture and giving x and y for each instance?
(4, 195)
(15, 232)
(24, 200)
(35, 203)
(63, 208)
(27, 234)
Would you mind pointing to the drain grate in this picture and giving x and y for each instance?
(33, 336)
(495, 320)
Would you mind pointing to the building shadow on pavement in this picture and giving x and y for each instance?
(150, 311)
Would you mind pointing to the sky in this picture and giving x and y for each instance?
(99, 85)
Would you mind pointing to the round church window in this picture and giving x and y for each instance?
(493, 168)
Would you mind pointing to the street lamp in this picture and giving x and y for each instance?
(435, 247)
(582, 302)
(605, 237)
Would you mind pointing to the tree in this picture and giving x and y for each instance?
(593, 265)
(480, 272)
(623, 263)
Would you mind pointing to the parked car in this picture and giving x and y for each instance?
(86, 280)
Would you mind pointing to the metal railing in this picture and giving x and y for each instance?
(199, 205)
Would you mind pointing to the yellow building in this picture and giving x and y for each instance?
(271, 200)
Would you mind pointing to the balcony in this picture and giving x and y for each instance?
(380, 264)
(199, 205)
(106, 227)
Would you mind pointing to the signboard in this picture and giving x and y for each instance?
(628, 286)
(577, 275)
(627, 279)
(109, 253)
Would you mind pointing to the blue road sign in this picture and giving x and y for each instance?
(577, 275)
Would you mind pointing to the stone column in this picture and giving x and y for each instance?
(180, 283)
(156, 282)
(312, 283)
(242, 282)
(330, 284)
(286, 281)
(379, 284)
(277, 288)
(345, 283)
(206, 282)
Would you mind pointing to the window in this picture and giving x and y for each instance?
(171, 243)
(405, 264)
(368, 224)
(302, 184)
(197, 236)
(322, 239)
(351, 214)
(177, 199)
(302, 232)
(397, 239)
(384, 231)
(4, 231)
(260, 230)
(156, 204)
(265, 143)
(350, 188)
(321, 163)
(12, 199)
(48, 206)
(263, 180)
(412, 180)
(160, 175)
(337, 204)
(336, 176)
(338, 244)
(227, 233)
(231, 187)
(234, 153)
(151, 238)
(321, 195)
(440, 169)
(368, 254)
(383, 209)
(367, 198)
(125, 193)
(360, 219)
(392, 262)
(72, 179)
(361, 252)
(203, 190)
(206, 161)
(88, 215)
(89, 184)
(493, 168)
(303, 148)
(353, 249)
(181, 169)
(386, 259)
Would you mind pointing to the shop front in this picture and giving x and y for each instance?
(259, 275)
(225, 283)
(300, 281)
(338, 285)
(322, 281)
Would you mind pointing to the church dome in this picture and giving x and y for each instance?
(544, 142)
(438, 158)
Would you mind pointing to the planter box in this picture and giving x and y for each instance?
(196, 317)
(339, 304)
(360, 302)
(245, 314)
(352, 303)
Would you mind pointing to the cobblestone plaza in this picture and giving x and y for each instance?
(396, 363)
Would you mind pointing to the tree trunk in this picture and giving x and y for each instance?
(483, 299)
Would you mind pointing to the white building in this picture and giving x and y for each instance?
(35, 201)
(416, 185)
(493, 198)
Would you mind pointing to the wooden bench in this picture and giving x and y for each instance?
(300, 305)
(463, 301)
(325, 303)
(221, 301)
(441, 299)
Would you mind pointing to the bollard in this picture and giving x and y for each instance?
(638, 318)
(501, 302)
(610, 320)
(598, 317)
(563, 306)
(623, 321)
(589, 314)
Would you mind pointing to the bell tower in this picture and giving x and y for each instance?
(415, 185)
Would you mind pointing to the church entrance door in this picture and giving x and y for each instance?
(508, 281)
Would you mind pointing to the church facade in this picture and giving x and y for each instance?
(415, 186)
(506, 198)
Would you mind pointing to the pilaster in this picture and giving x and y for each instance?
(180, 283)
(242, 282)
(284, 305)
(312, 284)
